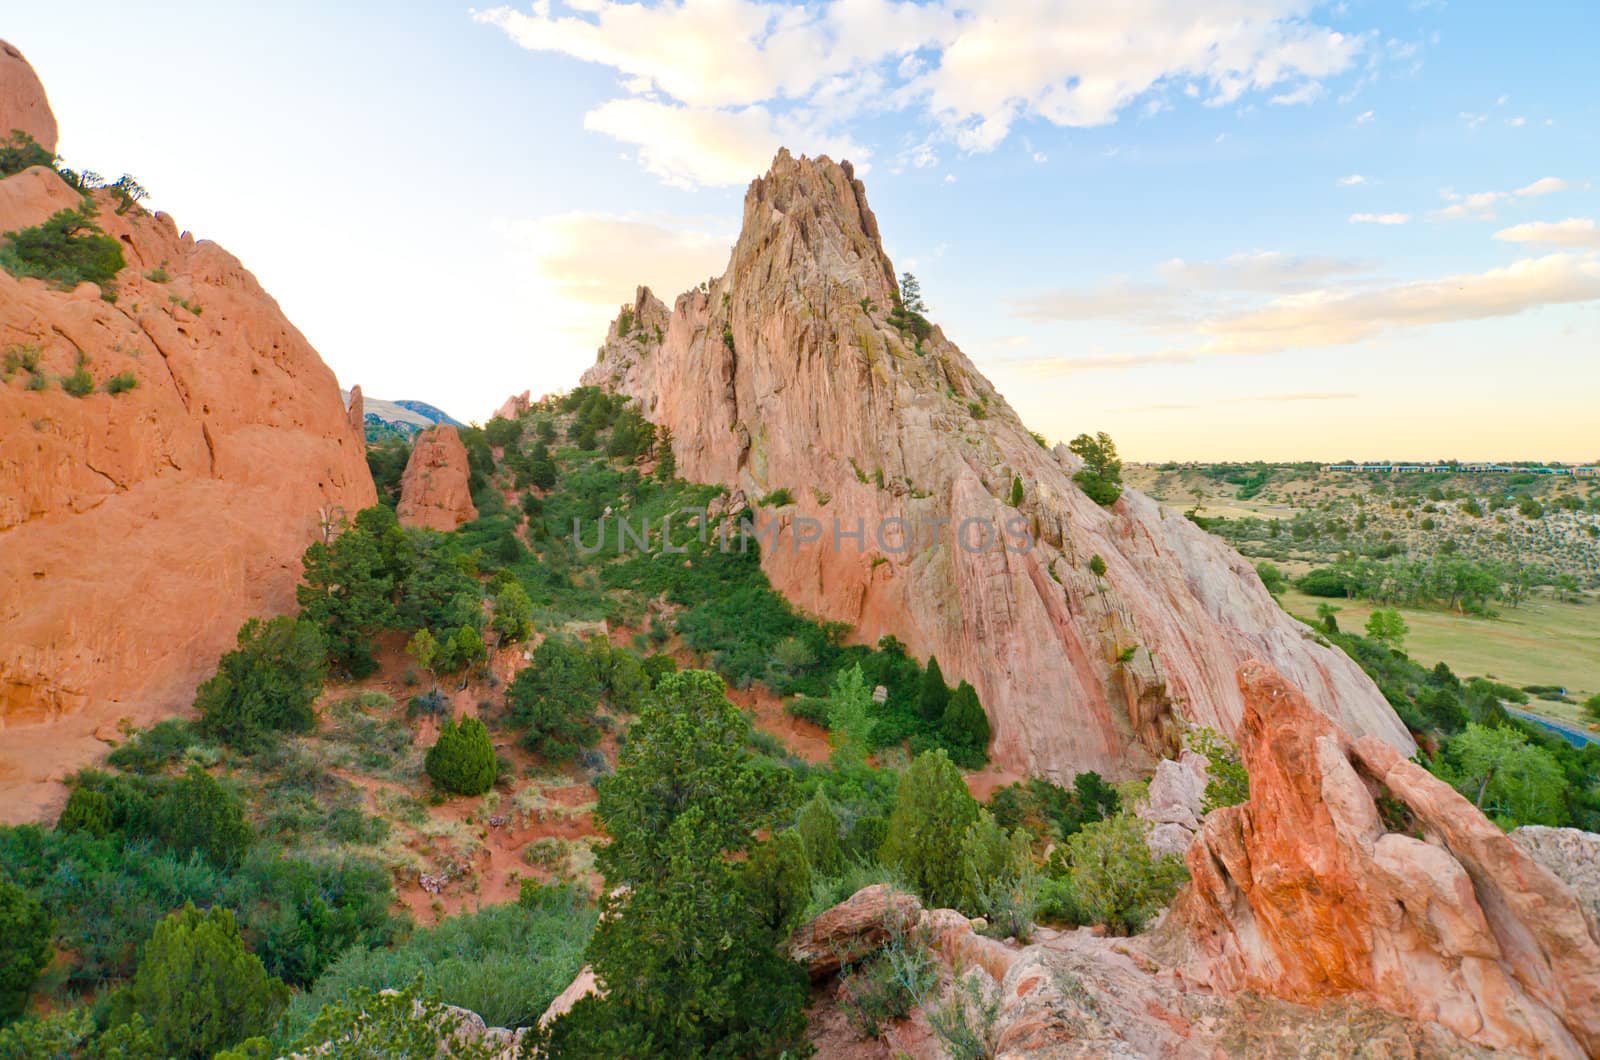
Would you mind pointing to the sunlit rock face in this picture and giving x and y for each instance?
(786, 373)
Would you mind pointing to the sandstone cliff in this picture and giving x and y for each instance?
(1352, 871)
(786, 372)
(433, 491)
(23, 105)
(138, 530)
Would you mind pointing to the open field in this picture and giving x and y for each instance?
(1543, 642)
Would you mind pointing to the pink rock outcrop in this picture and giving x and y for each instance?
(434, 490)
(786, 372)
(514, 406)
(1307, 891)
(23, 104)
(138, 530)
(356, 411)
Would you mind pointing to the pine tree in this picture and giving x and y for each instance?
(932, 810)
(966, 726)
(462, 761)
(25, 930)
(1016, 491)
(198, 989)
(935, 694)
(666, 461)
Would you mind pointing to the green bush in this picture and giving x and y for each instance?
(79, 383)
(156, 748)
(25, 933)
(462, 760)
(198, 989)
(504, 962)
(934, 695)
(1111, 877)
(67, 249)
(1101, 477)
(1227, 780)
(554, 699)
(265, 686)
(87, 811)
(966, 727)
(818, 828)
(777, 881)
(20, 151)
(121, 383)
(368, 1025)
(932, 812)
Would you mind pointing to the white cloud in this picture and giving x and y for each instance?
(1313, 314)
(1543, 186)
(1379, 218)
(1574, 231)
(1480, 205)
(1341, 317)
(1517, 122)
(1352, 180)
(1364, 117)
(1267, 270)
(734, 72)
(689, 146)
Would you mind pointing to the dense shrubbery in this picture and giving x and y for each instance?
(1106, 874)
(25, 929)
(505, 962)
(265, 686)
(554, 700)
(198, 990)
(20, 151)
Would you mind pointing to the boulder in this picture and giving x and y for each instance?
(1572, 855)
(1175, 802)
(1307, 891)
(788, 372)
(855, 928)
(434, 490)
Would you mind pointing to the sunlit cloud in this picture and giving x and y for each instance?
(1574, 231)
(1379, 218)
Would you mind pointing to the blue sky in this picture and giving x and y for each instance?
(1253, 228)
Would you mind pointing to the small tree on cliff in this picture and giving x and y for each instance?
(666, 461)
(1101, 477)
(1016, 491)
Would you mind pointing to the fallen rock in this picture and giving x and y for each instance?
(434, 491)
(856, 927)
(1306, 892)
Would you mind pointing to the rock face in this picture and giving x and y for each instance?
(787, 373)
(1308, 891)
(514, 406)
(139, 530)
(433, 491)
(23, 104)
(1175, 803)
(356, 411)
(1572, 855)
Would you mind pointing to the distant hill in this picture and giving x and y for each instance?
(403, 418)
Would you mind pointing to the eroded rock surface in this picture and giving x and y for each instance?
(1308, 891)
(434, 490)
(139, 530)
(23, 104)
(786, 372)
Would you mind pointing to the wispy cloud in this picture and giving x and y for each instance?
(1352, 180)
(744, 76)
(1574, 231)
(1248, 399)
(1481, 205)
(1379, 218)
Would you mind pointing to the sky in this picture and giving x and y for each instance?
(1216, 229)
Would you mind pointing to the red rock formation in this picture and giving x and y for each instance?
(22, 100)
(1304, 892)
(785, 373)
(433, 490)
(514, 406)
(356, 411)
(139, 530)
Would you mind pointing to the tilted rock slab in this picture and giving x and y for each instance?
(1304, 893)
(139, 530)
(434, 491)
(784, 373)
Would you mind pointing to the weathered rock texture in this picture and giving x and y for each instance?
(1175, 803)
(434, 490)
(1573, 855)
(139, 530)
(1078, 995)
(1308, 891)
(785, 373)
(22, 100)
(514, 406)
